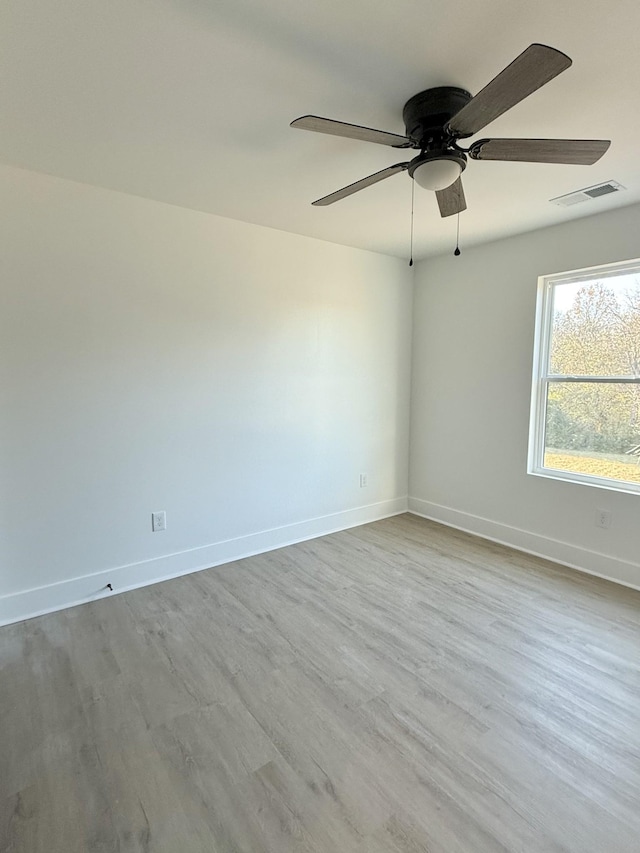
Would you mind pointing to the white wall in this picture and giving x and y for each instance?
(472, 361)
(156, 358)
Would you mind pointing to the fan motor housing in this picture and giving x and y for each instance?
(426, 114)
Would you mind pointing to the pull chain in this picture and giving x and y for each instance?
(457, 251)
(413, 190)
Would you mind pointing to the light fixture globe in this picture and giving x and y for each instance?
(437, 170)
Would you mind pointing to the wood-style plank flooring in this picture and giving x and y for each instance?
(395, 688)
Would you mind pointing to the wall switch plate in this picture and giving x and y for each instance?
(603, 518)
(364, 481)
(158, 521)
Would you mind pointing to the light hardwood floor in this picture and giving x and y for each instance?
(396, 687)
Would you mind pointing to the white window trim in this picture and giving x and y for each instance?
(541, 379)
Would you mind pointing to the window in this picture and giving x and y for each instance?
(585, 412)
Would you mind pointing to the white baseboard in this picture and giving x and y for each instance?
(573, 556)
(68, 593)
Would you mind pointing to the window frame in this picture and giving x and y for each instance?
(542, 378)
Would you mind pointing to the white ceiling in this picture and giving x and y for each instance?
(189, 102)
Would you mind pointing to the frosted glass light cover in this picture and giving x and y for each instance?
(437, 174)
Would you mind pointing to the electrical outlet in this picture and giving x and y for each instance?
(364, 481)
(603, 518)
(158, 521)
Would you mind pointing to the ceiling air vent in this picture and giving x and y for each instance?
(588, 194)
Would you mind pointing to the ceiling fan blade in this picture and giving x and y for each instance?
(360, 185)
(451, 200)
(351, 131)
(582, 152)
(532, 69)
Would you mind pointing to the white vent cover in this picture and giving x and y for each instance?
(588, 194)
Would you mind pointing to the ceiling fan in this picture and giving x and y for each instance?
(437, 118)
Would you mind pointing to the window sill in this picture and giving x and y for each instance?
(585, 480)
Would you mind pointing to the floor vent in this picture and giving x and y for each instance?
(588, 194)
